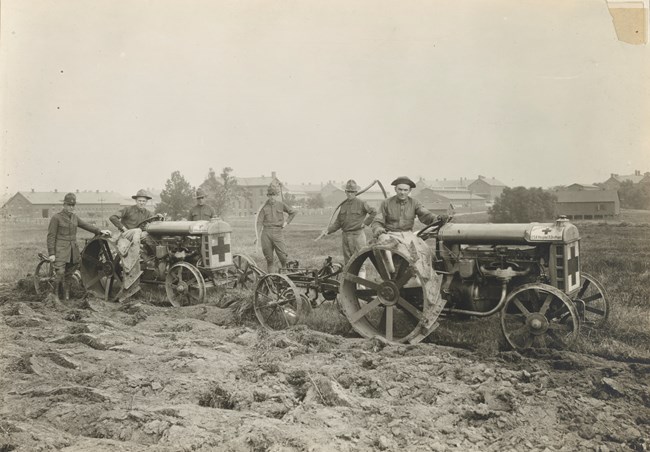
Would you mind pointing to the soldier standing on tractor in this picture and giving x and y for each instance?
(353, 215)
(62, 245)
(201, 211)
(271, 217)
(397, 213)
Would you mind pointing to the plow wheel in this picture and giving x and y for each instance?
(100, 269)
(44, 277)
(539, 316)
(591, 302)
(245, 271)
(277, 303)
(184, 285)
(383, 293)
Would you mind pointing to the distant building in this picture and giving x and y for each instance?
(443, 200)
(587, 204)
(91, 205)
(487, 187)
(615, 180)
(255, 189)
(444, 184)
(578, 187)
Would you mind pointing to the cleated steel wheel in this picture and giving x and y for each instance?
(184, 285)
(245, 272)
(539, 316)
(277, 303)
(382, 295)
(101, 269)
(591, 302)
(44, 277)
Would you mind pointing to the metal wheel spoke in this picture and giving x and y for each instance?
(547, 303)
(520, 306)
(596, 296)
(389, 323)
(364, 310)
(408, 307)
(560, 327)
(594, 310)
(584, 287)
(377, 259)
(362, 281)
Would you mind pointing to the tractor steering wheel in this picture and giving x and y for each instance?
(432, 229)
(143, 223)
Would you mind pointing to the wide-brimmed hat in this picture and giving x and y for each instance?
(70, 199)
(272, 190)
(200, 193)
(403, 180)
(351, 185)
(142, 193)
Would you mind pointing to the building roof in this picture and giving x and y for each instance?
(304, 188)
(490, 181)
(634, 178)
(254, 181)
(445, 183)
(83, 197)
(568, 196)
(451, 195)
(584, 186)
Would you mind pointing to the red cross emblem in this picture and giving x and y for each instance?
(220, 249)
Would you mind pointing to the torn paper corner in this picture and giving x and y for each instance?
(630, 20)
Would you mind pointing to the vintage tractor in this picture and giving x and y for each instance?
(187, 257)
(529, 273)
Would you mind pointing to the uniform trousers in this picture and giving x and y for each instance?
(273, 240)
(352, 241)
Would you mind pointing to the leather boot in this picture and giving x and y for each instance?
(57, 289)
(66, 290)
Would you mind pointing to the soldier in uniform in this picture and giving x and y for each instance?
(201, 211)
(128, 218)
(271, 217)
(62, 243)
(353, 215)
(397, 213)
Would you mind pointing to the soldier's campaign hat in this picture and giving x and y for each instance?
(199, 193)
(351, 185)
(272, 190)
(403, 180)
(142, 193)
(70, 199)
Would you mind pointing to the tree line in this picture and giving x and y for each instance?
(222, 193)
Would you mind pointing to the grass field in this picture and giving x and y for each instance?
(617, 252)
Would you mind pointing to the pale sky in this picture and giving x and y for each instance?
(117, 94)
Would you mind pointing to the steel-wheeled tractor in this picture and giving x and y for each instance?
(530, 274)
(187, 257)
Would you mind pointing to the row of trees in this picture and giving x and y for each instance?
(523, 205)
(634, 196)
(222, 192)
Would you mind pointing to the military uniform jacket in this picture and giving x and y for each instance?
(272, 215)
(62, 236)
(129, 217)
(399, 216)
(204, 212)
(352, 216)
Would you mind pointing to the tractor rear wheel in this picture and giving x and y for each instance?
(385, 292)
